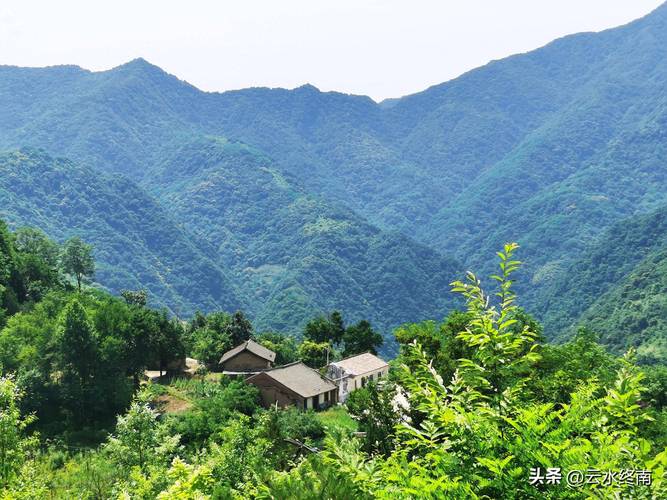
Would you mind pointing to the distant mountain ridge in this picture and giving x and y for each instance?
(347, 148)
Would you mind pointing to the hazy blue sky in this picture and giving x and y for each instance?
(380, 48)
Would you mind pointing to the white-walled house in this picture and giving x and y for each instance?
(355, 372)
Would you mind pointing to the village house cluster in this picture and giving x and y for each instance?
(296, 384)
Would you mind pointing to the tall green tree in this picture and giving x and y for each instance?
(360, 338)
(32, 241)
(168, 344)
(326, 329)
(77, 260)
(38, 263)
(210, 337)
(142, 332)
(239, 328)
(77, 355)
(285, 346)
(336, 327)
(78, 343)
(315, 354)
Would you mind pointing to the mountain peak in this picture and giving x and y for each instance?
(139, 65)
(141, 69)
(307, 87)
(139, 62)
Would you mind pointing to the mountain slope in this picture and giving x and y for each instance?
(632, 313)
(286, 255)
(136, 244)
(117, 121)
(296, 253)
(536, 117)
(395, 165)
(617, 288)
(600, 158)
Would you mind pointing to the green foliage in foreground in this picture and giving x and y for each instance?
(476, 426)
(80, 356)
(479, 433)
(76, 353)
(14, 446)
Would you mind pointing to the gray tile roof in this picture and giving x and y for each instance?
(253, 347)
(300, 378)
(361, 363)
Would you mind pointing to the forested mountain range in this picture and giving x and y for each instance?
(299, 199)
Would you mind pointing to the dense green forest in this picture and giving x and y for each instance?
(617, 287)
(295, 253)
(476, 406)
(246, 238)
(290, 203)
(137, 245)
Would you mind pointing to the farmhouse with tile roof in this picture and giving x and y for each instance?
(295, 384)
(247, 357)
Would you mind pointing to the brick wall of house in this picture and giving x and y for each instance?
(246, 362)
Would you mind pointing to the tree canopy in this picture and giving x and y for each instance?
(77, 259)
